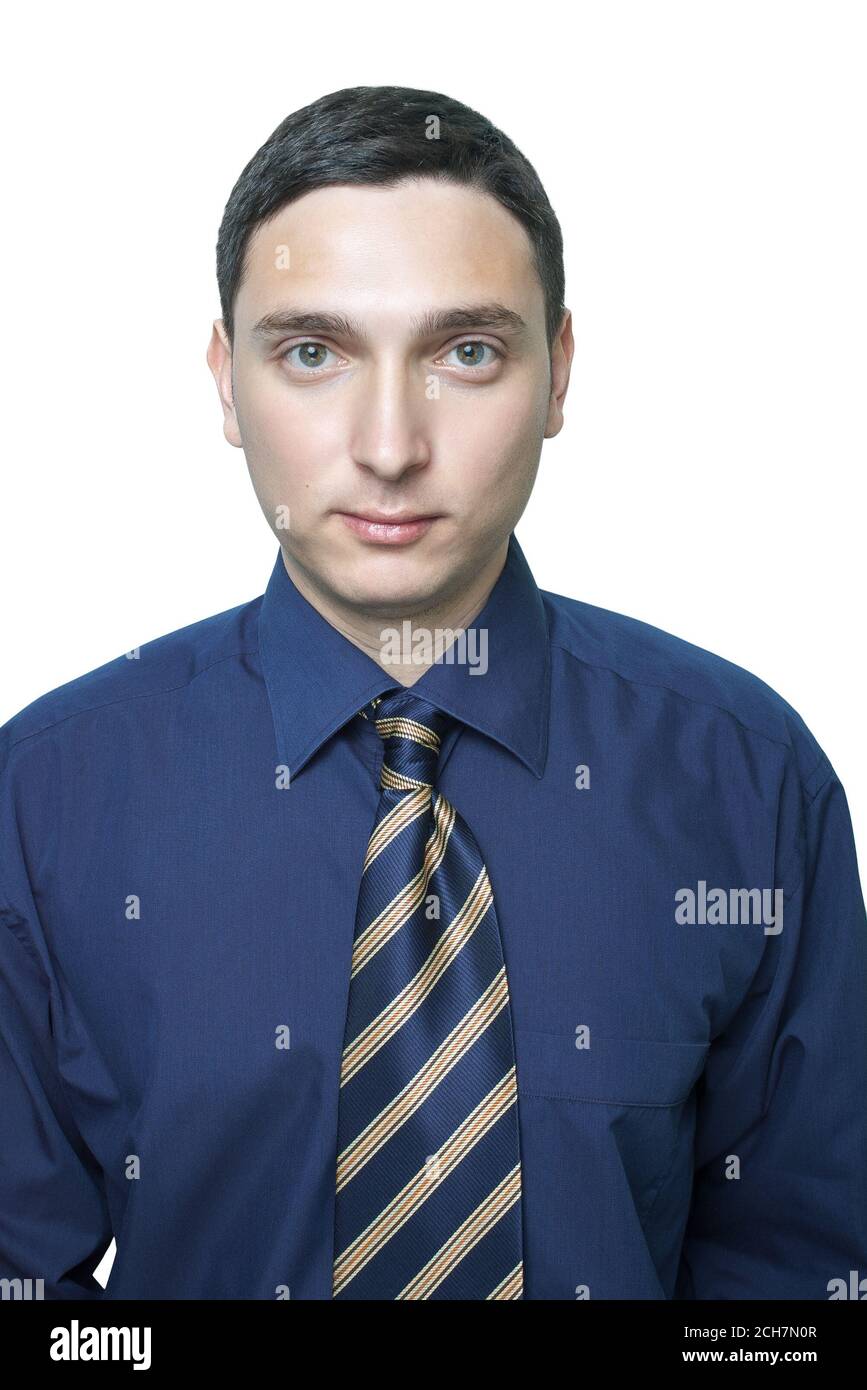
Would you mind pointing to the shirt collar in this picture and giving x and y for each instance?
(317, 679)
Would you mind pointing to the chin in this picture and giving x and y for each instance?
(386, 581)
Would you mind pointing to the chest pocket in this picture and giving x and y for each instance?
(613, 1071)
(618, 1117)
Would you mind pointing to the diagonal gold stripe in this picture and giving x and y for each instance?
(427, 1078)
(399, 781)
(469, 1233)
(404, 904)
(512, 1286)
(406, 810)
(411, 729)
(395, 1014)
(414, 1193)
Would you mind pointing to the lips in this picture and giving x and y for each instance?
(383, 529)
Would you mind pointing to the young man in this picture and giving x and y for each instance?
(408, 932)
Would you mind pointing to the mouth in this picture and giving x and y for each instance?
(382, 529)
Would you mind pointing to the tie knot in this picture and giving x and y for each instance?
(411, 729)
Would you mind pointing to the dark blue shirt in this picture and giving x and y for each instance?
(675, 880)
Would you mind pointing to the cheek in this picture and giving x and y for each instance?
(284, 441)
(492, 440)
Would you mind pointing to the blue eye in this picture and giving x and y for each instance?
(469, 353)
(311, 355)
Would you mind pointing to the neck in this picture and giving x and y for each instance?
(443, 618)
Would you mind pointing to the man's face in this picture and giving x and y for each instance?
(390, 414)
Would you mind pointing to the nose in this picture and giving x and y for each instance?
(390, 429)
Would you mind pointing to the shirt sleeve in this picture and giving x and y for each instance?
(779, 1205)
(54, 1219)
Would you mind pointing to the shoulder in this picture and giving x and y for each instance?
(651, 660)
(165, 664)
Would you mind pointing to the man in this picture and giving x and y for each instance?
(408, 932)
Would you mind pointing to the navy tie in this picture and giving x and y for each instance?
(428, 1201)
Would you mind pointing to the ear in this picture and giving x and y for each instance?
(219, 357)
(562, 351)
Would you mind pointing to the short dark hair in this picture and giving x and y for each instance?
(381, 135)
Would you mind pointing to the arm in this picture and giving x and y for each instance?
(54, 1220)
(785, 1087)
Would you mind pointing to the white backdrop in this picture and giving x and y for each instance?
(706, 161)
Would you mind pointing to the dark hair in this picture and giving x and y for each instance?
(380, 135)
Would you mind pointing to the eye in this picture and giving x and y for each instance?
(311, 357)
(471, 354)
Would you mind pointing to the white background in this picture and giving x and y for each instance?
(706, 162)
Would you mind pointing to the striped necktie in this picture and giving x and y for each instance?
(428, 1198)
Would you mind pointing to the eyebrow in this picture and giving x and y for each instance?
(428, 325)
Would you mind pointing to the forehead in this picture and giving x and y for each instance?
(415, 245)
